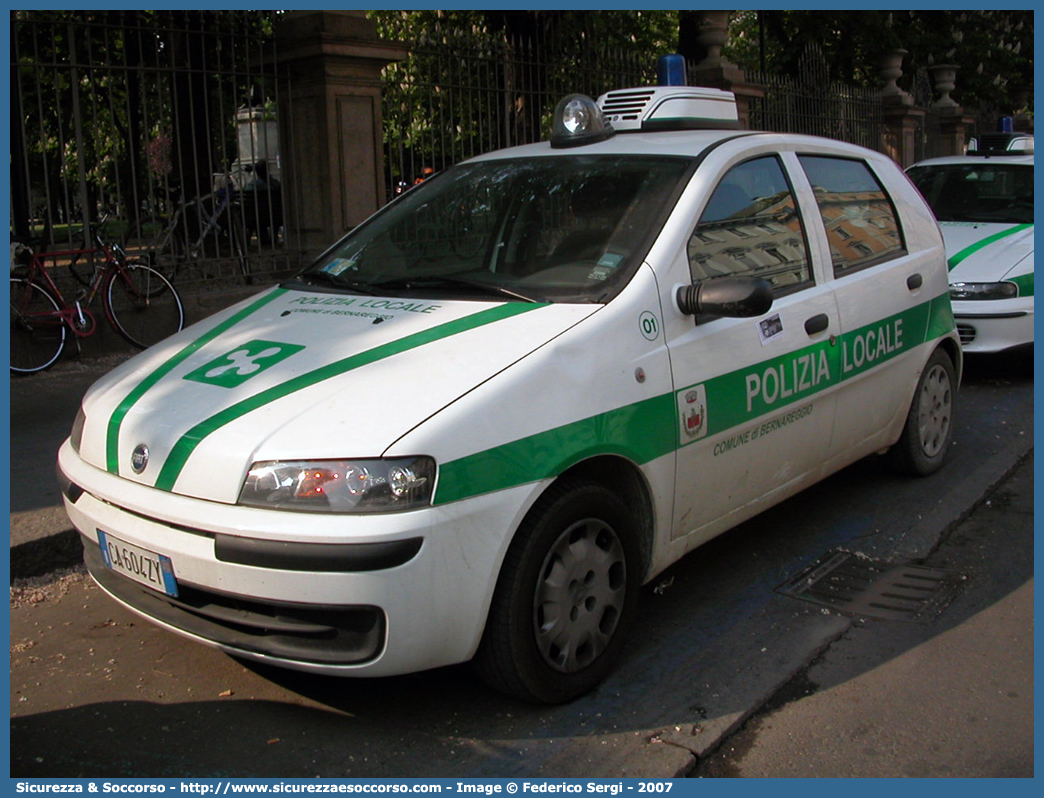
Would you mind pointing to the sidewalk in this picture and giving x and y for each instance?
(965, 679)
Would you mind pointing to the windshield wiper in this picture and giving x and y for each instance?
(324, 278)
(452, 281)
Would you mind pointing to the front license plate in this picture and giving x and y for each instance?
(141, 565)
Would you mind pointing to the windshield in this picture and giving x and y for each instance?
(559, 229)
(977, 192)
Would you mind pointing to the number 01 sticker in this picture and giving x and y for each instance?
(649, 325)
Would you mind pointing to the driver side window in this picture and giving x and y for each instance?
(751, 226)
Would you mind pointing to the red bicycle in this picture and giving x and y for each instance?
(140, 303)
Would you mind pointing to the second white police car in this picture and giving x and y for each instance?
(482, 420)
(984, 204)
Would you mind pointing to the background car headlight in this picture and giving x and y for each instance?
(341, 486)
(983, 290)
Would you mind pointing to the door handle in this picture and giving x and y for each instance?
(914, 281)
(817, 323)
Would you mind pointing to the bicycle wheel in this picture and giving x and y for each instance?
(37, 328)
(142, 305)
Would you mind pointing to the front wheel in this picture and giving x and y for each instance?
(566, 596)
(926, 437)
(37, 327)
(142, 305)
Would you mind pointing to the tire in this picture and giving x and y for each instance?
(142, 305)
(566, 596)
(37, 329)
(921, 449)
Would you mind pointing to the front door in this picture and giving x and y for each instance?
(755, 403)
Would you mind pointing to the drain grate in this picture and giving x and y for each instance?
(856, 585)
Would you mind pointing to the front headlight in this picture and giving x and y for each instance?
(983, 290)
(341, 486)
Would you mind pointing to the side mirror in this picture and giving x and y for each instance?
(736, 297)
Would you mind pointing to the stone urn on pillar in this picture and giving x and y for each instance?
(890, 68)
(713, 34)
(943, 76)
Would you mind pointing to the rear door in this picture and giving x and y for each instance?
(887, 293)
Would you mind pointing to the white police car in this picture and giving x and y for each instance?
(984, 204)
(479, 422)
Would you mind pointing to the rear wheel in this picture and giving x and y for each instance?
(143, 305)
(926, 437)
(566, 596)
(37, 327)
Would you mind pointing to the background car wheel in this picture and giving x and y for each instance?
(565, 597)
(926, 437)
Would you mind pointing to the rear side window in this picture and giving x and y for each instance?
(751, 226)
(858, 214)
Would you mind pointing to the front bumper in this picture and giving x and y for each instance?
(994, 325)
(373, 595)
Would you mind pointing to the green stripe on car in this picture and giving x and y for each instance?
(112, 440)
(985, 242)
(649, 429)
(188, 442)
(1024, 282)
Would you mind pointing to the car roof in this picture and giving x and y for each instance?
(1025, 160)
(685, 143)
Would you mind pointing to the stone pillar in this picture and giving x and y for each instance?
(900, 117)
(953, 132)
(953, 124)
(330, 122)
(899, 137)
(716, 72)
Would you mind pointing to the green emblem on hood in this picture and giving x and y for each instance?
(240, 364)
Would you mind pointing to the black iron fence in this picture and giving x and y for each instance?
(157, 121)
(812, 103)
(830, 109)
(459, 94)
(160, 120)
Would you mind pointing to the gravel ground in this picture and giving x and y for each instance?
(50, 587)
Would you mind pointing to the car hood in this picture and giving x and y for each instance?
(296, 374)
(985, 253)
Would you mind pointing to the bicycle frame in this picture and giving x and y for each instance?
(76, 315)
(209, 222)
(38, 306)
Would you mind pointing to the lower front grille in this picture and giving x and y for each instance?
(307, 633)
(966, 333)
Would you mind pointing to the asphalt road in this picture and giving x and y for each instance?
(95, 691)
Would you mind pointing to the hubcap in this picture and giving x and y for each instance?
(580, 595)
(934, 411)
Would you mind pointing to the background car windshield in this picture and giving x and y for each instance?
(977, 192)
(567, 229)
